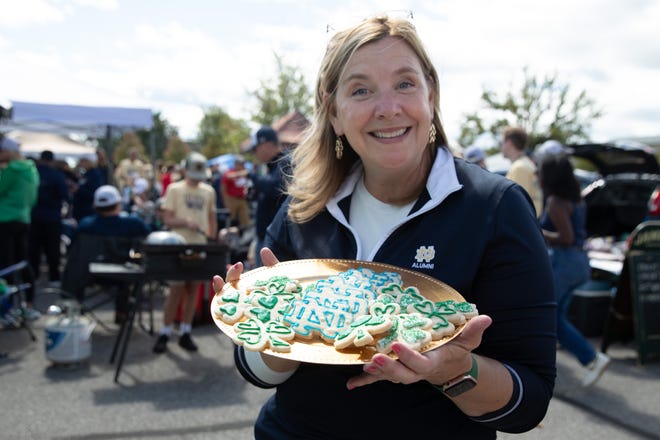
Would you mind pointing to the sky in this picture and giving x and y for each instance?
(179, 57)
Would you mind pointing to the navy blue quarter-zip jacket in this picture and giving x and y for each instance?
(471, 229)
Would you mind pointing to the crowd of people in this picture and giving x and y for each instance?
(45, 205)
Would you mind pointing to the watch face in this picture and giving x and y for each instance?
(458, 388)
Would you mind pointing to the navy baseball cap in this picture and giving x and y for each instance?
(264, 134)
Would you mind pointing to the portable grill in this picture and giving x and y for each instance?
(184, 262)
(163, 262)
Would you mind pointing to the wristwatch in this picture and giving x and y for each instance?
(462, 383)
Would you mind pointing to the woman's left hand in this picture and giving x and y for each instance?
(436, 366)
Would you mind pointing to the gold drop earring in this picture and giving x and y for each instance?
(339, 148)
(432, 133)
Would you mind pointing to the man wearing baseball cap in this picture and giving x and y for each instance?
(189, 210)
(269, 188)
(106, 222)
(476, 155)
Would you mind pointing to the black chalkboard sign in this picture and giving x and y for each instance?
(645, 289)
(644, 266)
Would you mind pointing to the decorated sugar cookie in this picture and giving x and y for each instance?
(410, 329)
(441, 326)
(361, 331)
(468, 310)
(255, 335)
(268, 307)
(384, 305)
(230, 305)
(308, 318)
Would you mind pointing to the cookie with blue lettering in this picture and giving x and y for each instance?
(310, 317)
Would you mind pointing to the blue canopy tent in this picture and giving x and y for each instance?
(225, 162)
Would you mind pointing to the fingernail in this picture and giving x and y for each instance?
(371, 369)
(396, 348)
(379, 361)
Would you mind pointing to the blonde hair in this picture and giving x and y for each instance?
(316, 173)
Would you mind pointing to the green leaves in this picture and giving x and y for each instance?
(544, 106)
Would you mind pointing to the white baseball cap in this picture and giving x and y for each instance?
(106, 195)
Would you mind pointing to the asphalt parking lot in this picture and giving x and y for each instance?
(179, 395)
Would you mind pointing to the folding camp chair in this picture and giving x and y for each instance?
(12, 302)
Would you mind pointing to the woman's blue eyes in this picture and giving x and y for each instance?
(364, 91)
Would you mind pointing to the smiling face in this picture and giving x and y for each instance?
(384, 107)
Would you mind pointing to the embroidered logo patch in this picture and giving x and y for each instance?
(423, 257)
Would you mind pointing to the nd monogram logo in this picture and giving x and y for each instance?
(425, 254)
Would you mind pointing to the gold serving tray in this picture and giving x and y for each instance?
(309, 271)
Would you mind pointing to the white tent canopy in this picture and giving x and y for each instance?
(62, 118)
(63, 147)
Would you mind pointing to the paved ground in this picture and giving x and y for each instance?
(200, 396)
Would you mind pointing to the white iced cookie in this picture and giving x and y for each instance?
(267, 307)
(229, 305)
(361, 332)
(255, 335)
(410, 329)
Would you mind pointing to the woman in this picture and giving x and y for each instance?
(375, 180)
(563, 222)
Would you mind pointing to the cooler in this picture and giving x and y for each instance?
(590, 307)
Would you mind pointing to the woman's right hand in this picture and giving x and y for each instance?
(234, 271)
(234, 274)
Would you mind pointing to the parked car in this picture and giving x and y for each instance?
(617, 180)
(618, 200)
(654, 205)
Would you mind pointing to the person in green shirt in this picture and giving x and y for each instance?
(19, 184)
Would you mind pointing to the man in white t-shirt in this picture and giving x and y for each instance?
(522, 170)
(189, 210)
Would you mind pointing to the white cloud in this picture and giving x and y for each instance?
(107, 5)
(17, 14)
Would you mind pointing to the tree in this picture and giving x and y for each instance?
(176, 150)
(162, 132)
(281, 95)
(219, 133)
(128, 141)
(545, 108)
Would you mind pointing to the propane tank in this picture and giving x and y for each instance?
(68, 334)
